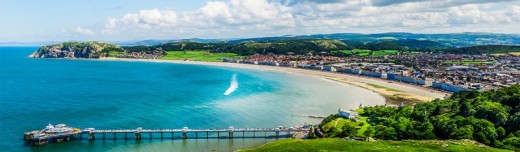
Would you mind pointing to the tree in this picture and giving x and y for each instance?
(501, 133)
(484, 130)
(512, 143)
(384, 132)
(334, 132)
(465, 132)
(513, 123)
(402, 127)
(492, 111)
(311, 134)
(423, 130)
(369, 132)
(348, 130)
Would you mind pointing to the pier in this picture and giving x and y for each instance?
(65, 134)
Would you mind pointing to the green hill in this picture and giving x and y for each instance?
(490, 117)
(489, 49)
(336, 144)
(93, 49)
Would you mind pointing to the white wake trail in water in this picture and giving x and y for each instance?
(233, 86)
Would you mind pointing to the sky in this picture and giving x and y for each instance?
(129, 20)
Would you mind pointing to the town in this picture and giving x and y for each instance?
(441, 71)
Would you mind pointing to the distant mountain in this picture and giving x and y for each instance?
(484, 49)
(410, 40)
(449, 40)
(159, 42)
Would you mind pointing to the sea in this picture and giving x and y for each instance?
(127, 95)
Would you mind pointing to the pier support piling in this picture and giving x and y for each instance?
(138, 136)
(91, 136)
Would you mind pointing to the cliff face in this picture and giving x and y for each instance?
(74, 50)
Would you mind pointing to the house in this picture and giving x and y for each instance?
(347, 114)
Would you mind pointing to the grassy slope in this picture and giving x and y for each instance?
(384, 52)
(341, 123)
(336, 144)
(196, 55)
(381, 87)
(112, 53)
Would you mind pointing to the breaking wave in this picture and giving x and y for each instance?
(232, 86)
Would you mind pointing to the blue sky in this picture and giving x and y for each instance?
(121, 20)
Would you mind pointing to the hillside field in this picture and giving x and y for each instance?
(196, 55)
(337, 144)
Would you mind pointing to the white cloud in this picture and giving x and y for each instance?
(84, 31)
(250, 18)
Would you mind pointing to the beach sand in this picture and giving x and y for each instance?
(394, 92)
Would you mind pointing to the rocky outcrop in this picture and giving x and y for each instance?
(74, 50)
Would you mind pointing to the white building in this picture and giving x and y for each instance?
(347, 114)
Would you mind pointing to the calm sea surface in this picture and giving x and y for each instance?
(127, 95)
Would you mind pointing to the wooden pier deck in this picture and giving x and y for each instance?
(37, 139)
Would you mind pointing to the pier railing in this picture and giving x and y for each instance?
(36, 138)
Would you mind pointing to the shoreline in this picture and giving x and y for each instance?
(393, 92)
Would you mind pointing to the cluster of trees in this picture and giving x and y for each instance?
(348, 129)
(484, 49)
(401, 45)
(304, 46)
(295, 46)
(490, 117)
(286, 46)
(250, 48)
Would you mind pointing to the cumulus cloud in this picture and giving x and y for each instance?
(84, 31)
(214, 16)
(293, 2)
(249, 18)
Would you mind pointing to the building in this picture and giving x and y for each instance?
(347, 114)
(58, 129)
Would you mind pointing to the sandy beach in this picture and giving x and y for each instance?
(389, 89)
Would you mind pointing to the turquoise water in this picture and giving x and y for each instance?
(127, 95)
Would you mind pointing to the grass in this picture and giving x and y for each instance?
(341, 123)
(336, 144)
(346, 52)
(381, 87)
(361, 52)
(363, 128)
(196, 55)
(113, 53)
(469, 62)
(384, 52)
(357, 51)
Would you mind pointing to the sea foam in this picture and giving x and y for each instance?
(232, 86)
